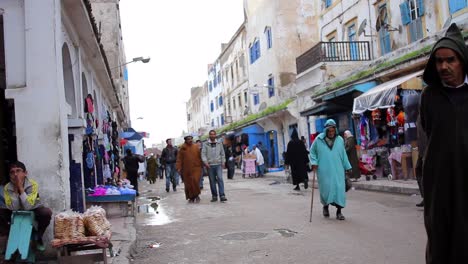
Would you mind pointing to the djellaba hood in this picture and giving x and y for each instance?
(329, 123)
(453, 40)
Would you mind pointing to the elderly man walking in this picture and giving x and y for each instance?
(328, 158)
(189, 166)
(443, 113)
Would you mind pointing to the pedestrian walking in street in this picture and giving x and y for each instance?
(297, 159)
(259, 160)
(152, 167)
(350, 146)
(169, 158)
(131, 162)
(265, 154)
(230, 156)
(329, 160)
(213, 158)
(204, 171)
(160, 166)
(189, 166)
(443, 113)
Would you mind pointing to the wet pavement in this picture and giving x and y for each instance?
(265, 221)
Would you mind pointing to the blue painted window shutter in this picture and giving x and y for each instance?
(268, 37)
(211, 106)
(271, 87)
(251, 54)
(455, 5)
(328, 3)
(405, 13)
(257, 49)
(220, 100)
(421, 8)
(222, 120)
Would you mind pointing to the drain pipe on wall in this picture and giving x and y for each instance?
(371, 33)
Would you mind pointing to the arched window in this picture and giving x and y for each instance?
(68, 79)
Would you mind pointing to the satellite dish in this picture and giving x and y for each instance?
(262, 106)
(448, 22)
(362, 27)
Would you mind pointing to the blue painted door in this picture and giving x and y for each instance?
(273, 149)
(76, 188)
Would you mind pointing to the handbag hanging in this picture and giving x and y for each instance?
(348, 183)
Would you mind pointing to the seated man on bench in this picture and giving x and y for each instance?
(21, 194)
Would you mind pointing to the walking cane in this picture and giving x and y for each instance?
(312, 200)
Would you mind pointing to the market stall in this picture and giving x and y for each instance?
(386, 123)
(116, 200)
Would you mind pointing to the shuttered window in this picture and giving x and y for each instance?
(455, 5)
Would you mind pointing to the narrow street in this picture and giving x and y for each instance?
(265, 221)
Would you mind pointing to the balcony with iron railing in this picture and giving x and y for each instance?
(337, 51)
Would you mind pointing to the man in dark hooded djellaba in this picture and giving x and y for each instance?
(444, 119)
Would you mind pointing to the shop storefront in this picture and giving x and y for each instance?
(253, 135)
(385, 125)
(338, 106)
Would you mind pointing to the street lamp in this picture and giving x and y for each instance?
(136, 59)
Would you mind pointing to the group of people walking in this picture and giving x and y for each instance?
(190, 161)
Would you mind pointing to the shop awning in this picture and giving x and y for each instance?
(324, 108)
(381, 96)
(130, 134)
(360, 87)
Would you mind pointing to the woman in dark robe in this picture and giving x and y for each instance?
(297, 158)
(350, 146)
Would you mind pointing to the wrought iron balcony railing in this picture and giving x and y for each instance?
(333, 51)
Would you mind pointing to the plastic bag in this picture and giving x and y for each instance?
(68, 225)
(95, 221)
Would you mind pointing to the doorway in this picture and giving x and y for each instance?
(7, 117)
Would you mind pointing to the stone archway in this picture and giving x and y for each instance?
(68, 81)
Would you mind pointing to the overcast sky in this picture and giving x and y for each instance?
(182, 38)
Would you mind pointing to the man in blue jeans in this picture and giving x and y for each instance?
(213, 158)
(169, 158)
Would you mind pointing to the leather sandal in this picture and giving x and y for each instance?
(340, 216)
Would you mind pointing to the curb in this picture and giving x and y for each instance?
(386, 189)
(360, 186)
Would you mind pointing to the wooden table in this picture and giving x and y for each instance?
(83, 250)
(121, 200)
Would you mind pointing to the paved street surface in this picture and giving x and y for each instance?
(265, 221)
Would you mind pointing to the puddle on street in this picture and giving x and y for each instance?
(156, 214)
(286, 232)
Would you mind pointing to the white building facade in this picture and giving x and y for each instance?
(53, 62)
(216, 95)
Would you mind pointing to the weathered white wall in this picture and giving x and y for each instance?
(33, 32)
(234, 60)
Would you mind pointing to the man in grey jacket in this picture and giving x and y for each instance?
(213, 158)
